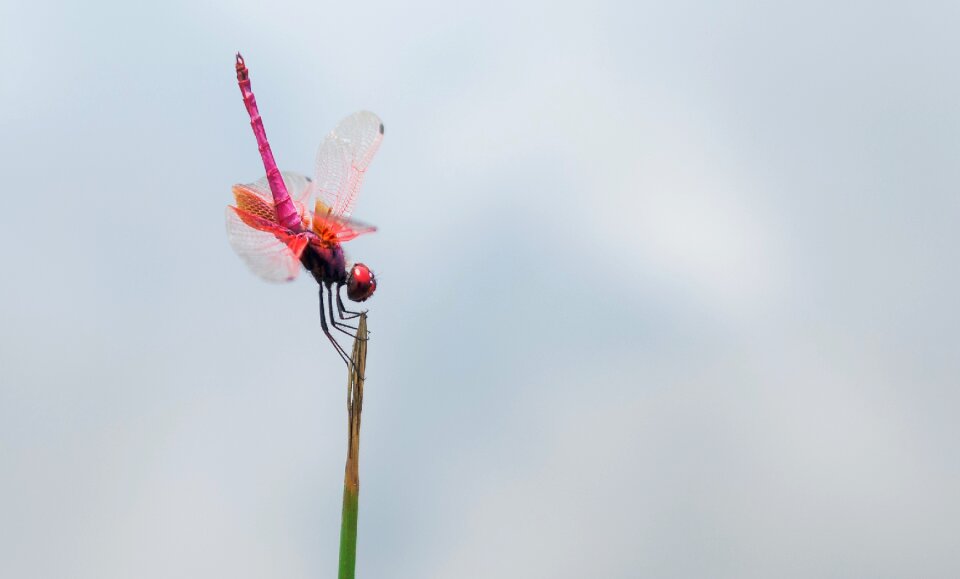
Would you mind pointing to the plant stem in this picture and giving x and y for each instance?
(351, 477)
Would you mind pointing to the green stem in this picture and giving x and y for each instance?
(348, 534)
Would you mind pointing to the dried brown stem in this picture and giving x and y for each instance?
(355, 405)
(351, 477)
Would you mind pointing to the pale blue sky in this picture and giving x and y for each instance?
(666, 290)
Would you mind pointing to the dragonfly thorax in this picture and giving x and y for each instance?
(326, 262)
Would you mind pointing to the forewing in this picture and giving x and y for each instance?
(341, 228)
(343, 159)
(352, 230)
(269, 250)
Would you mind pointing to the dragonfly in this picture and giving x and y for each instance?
(272, 228)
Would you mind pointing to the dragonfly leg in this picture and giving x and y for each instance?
(342, 310)
(339, 311)
(326, 331)
(333, 320)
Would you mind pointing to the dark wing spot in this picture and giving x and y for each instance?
(381, 128)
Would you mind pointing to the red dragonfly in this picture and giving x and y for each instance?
(272, 230)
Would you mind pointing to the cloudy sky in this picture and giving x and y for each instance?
(666, 290)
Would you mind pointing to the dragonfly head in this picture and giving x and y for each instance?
(361, 283)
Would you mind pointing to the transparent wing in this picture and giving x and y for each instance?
(337, 228)
(269, 250)
(343, 159)
(344, 229)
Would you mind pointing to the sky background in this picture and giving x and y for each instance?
(666, 290)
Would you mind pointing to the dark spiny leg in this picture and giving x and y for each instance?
(333, 320)
(326, 330)
(342, 309)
